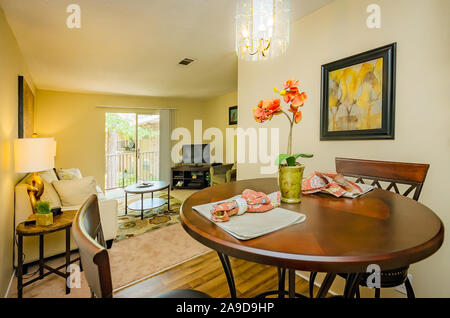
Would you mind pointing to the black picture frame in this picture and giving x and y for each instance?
(20, 107)
(232, 121)
(387, 131)
(25, 109)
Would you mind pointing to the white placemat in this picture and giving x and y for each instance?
(252, 225)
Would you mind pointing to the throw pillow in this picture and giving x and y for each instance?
(75, 192)
(69, 174)
(48, 175)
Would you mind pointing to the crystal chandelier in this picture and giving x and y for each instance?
(262, 28)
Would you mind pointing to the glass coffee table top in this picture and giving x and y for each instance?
(148, 204)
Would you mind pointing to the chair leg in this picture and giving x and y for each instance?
(281, 282)
(358, 295)
(377, 292)
(409, 289)
(312, 278)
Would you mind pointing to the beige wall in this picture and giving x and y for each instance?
(11, 65)
(217, 116)
(421, 30)
(79, 126)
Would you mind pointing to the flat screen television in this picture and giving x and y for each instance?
(196, 153)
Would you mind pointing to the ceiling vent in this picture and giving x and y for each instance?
(186, 61)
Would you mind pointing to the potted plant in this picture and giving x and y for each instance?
(290, 171)
(44, 215)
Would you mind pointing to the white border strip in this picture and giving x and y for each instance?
(10, 283)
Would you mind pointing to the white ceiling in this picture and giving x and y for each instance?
(133, 46)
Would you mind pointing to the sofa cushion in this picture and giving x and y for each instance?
(75, 192)
(69, 174)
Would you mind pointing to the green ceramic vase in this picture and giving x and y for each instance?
(290, 181)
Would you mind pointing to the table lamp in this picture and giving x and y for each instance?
(32, 155)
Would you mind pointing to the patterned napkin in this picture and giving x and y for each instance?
(249, 201)
(335, 184)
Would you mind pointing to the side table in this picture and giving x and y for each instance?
(60, 222)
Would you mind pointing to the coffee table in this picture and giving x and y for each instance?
(147, 204)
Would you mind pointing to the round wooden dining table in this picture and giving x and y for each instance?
(339, 235)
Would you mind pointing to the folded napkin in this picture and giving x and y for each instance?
(251, 225)
(335, 184)
(249, 201)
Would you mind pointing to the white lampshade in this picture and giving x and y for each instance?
(34, 154)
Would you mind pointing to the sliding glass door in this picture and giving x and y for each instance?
(148, 147)
(131, 149)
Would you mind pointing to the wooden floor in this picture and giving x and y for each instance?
(205, 274)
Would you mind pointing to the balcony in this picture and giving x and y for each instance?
(122, 170)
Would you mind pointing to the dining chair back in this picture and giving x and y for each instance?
(394, 173)
(88, 234)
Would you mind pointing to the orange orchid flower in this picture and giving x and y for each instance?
(297, 113)
(298, 117)
(291, 83)
(299, 99)
(266, 109)
(290, 94)
(269, 107)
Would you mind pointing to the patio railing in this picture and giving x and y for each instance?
(121, 168)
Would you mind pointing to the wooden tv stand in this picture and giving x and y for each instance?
(192, 176)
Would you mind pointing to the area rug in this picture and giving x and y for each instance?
(131, 260)
(131, 225)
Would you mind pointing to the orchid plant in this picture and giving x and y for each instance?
(266, 109)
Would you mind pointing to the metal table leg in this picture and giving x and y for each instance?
(281, 292)
(228, 273)
(126, 203)
(67, 258)
(19, 266)
(351, 285)
(281, 281)
(41, 256)
(168, 200)
(326, 284)
(291, 273)
(142, 206)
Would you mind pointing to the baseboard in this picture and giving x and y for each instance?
(10, 283)
(315, 282)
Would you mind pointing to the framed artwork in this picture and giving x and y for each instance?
(26, 109)
(358, 96)
(232, 115)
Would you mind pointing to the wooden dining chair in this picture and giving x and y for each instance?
(88, 234)
(394, 175)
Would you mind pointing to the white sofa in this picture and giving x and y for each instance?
(54, 243)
